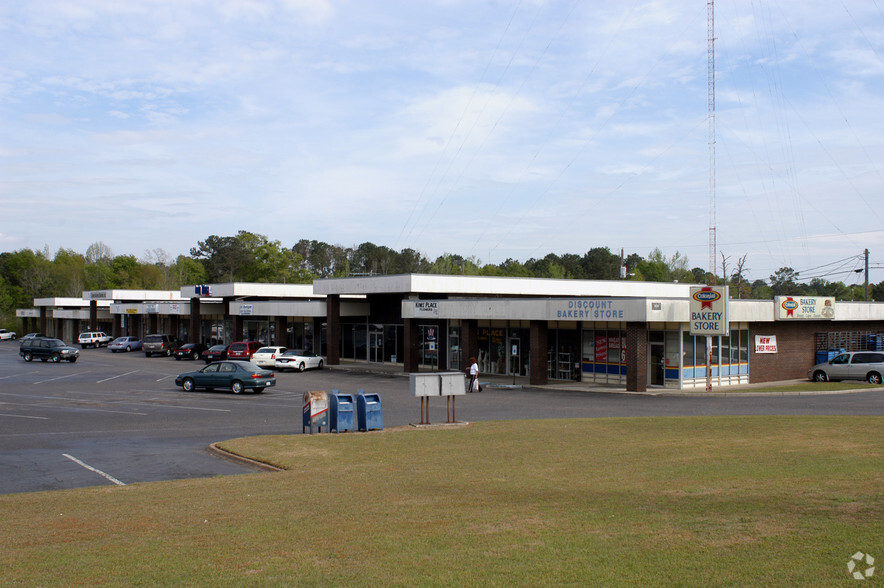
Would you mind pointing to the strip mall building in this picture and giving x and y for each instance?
(628, 334)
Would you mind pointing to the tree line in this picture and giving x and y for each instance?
(248, 257)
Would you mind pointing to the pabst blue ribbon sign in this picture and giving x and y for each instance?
(708, 307)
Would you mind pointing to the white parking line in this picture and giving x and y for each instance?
(91, 469)
(58, 378)
(115, 377)
(23, 416)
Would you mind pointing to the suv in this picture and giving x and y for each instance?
(4, 334)
(854, 365)
(45, 349)
(94, 339)
(162, 344)
(243, 349)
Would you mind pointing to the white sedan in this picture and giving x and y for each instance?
(266, 357)
(298, 359)
(4, 334)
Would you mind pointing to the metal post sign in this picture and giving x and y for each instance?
(708, 308)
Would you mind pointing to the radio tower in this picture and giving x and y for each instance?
(710, 77)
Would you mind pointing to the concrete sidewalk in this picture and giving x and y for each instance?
(504, 381)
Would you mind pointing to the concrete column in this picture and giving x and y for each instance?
(469, 341)
(636, 357)
(237, 329)
(281, 323)
(333, 329)
(537, 357)
(196, 335)
(93, 315)
(411, 343)
(43, 324)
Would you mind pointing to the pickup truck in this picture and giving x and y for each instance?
(93, 339)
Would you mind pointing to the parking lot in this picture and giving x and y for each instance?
(119, 418)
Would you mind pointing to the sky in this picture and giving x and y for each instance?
(490, 129)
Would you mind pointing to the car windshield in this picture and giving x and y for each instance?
(266, 350)
(120, 340)
(250, 367)
(218, 348)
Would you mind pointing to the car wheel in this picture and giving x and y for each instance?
(236, 387)
(874, 378)
(56, 358)
(187, 384)
(168, 352)
(319, 367)
(28, 356)
(128, 348)
(302, 367)
(820, 376)
(194, 355)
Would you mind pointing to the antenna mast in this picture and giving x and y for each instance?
(710, 76)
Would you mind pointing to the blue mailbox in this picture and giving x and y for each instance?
(341, 413)
(368, 411)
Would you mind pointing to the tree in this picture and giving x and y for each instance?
(99, 274)
(658, 268)
(782, 282)
(600, 264)
(224, 257)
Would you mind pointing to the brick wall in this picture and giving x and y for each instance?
(795, 347)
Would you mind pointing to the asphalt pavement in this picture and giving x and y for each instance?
(118, 418)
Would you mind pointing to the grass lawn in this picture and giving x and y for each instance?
(711, 501)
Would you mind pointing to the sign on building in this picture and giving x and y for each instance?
(787, 308)
(708, 306)
(765, 343)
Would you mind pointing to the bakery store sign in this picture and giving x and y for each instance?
(787, 308)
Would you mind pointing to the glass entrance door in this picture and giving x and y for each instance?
(657, 367)
(376, 346)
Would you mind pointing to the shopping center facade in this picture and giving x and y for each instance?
(627, 334)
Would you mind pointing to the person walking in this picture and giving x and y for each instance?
(474, 376)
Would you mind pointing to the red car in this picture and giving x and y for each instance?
(243, 349)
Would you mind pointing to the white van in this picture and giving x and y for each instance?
(854, 365)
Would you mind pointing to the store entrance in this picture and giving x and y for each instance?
(376, 346)
(657, 367)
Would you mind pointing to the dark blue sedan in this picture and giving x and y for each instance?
(235, 376)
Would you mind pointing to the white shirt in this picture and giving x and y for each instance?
(474, 370)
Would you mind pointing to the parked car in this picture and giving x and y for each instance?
(265, 357)
(215, 353)
(161, 344)
(298, 359)
(235, 376)
(243, 349)
(93, 339)
(4, 335)
(853, 365)
(189, 351)
(46, 349)
(125, 344)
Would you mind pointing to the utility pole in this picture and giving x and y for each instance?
(866, 253)
(710, 80)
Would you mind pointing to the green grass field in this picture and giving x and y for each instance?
(717, 501)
